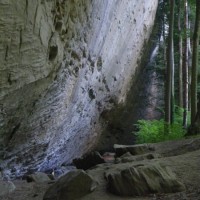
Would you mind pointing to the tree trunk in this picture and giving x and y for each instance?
(185, 68)
(195, 64)
(180, 73)
(189, 60)
(169, 101)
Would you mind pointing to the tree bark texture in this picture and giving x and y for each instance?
(169, 101)
(185, 67)
(180, 73)
(195, 64)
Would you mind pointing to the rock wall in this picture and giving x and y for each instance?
(62, 64)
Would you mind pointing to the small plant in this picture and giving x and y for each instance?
(154, 131)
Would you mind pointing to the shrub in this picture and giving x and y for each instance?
(154, 131)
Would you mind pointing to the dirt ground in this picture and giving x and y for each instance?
(182, 156)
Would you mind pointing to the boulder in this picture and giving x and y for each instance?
(6, 187)
(128, 157)
(133, 149)
(89, 160)
(140, 180)
(38, 177)
(73, 185)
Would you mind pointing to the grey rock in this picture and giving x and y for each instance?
(61, 65)
(60, 171)
(132, 149)
(140, 180)
(6, 187)
(1, 175)
(127, 154)
(38, 177)
(128, 157)
(73, 185)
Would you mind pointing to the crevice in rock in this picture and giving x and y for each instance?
(6, 53)
(58, 26)
(91, 94)
(15, 129)
(53, 52)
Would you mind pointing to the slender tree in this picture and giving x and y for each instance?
(180, 64)
(169, 96)
(185, 66)
(195, 57)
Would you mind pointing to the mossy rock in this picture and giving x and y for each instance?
(71, 186)
(140, 180)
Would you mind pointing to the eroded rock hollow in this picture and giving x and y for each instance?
(62, 63)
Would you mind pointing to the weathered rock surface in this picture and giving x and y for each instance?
(6, 187)
(62, 64)
(71, 186)
(143, 179)
(38, 177)
(128, 157)
(132, 149)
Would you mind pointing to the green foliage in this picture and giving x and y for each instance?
(154, 131)
(179, 115)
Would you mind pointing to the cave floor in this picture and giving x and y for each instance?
(182, 156)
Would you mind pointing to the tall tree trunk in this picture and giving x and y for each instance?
(189, 60)
(185, 68)
(180, 73)
(164, 34)
(195, 64)
(189, 42)
(169, 101)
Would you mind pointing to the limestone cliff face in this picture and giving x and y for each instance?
(62, 62)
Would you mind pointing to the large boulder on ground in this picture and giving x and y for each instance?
(38, 177)
(133, 149)
(128, 157)
(73, 185)
(89, 160)
(140, 180)
(6, 187)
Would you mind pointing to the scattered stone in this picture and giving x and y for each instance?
(73, 185)
(6, 187)
(38, 177)
(133, 149)
(140, 180)
(88, 161)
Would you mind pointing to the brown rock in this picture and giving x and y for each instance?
(133, 149)
(6, 187)
(73, 185)
(142, 179)
(38, 177)
(127, 157)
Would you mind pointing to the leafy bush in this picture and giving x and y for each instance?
(155, 131)
(178, 115)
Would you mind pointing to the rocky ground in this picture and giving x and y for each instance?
(183, 157)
